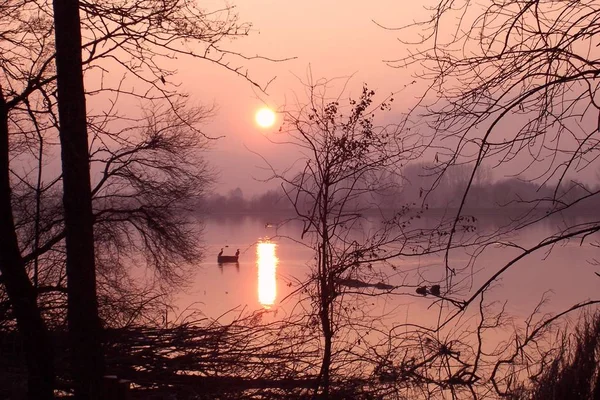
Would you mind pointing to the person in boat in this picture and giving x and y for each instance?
(220, 253)
(237, 253)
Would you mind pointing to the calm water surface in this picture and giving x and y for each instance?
(267, 274)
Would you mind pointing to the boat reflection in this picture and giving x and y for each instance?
(267, 266)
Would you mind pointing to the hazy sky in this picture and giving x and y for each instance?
(336, 38)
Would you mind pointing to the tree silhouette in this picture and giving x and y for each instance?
(345, 168)
(512, 85)
(134, 39)
(82, 305)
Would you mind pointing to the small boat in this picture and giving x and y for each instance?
(221, 259)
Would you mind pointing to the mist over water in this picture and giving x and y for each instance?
(268, 273)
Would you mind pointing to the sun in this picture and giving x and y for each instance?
(265, 117)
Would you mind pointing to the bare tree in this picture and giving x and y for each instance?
(538, 89)
(147, 196)
(84, 324)
(334, 188)
(512, 84)
(18, 286)
(135, 35)
(19, 289)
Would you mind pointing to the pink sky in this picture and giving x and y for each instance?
(335, 38)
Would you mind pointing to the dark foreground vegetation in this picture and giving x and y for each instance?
(574, 370)
(247, 359)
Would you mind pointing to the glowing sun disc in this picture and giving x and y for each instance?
(265, 117)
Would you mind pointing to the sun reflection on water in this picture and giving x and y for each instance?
(267, 266)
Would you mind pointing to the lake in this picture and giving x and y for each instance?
(264, 279)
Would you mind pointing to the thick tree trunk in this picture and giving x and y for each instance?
(38, 348)
(84, 323)
(326, 287)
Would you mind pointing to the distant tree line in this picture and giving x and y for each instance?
(419, 184)
(235, 202)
